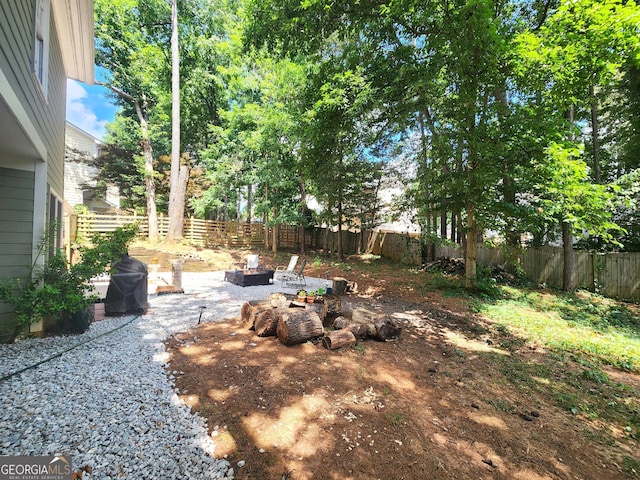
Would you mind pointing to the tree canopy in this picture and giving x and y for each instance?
(515, 117)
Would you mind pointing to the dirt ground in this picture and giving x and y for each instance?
(440, 402)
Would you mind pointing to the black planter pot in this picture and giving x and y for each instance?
(74, 323)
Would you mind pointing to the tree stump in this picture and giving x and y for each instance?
(297, 326)
(339, 286)
(338, 339)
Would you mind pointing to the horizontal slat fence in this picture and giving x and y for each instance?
(615, 275)
(209, 233)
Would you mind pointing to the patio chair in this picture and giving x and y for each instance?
(252, 262)
(296, 277)
(281, 269)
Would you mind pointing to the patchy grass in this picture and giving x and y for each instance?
(582, 324)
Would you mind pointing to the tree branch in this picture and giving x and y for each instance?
(117, 91)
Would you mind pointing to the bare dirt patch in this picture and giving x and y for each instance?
(441, 402)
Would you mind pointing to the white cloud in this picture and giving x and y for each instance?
(80, 113)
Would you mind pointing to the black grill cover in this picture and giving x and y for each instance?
(127, 292)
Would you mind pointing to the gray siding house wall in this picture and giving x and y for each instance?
(34, 65)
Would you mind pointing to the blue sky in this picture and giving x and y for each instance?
(88, 107)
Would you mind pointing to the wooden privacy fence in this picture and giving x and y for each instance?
(212, 233)
(615, 275)
(207, 233)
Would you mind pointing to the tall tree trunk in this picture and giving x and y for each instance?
(176, 196)
(226, 206)
(340, 252)
(443, 211)
(266, 216)
(274, 235)
(340, 206)
(453, 226)
(508, 185)
(595, 135)
(471, 248)
(303, 203)
(149, 181)
(434, 227)
(249, 202)
(142, 113)
(569, 271)
(569, 266)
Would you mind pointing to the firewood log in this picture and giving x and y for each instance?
(266, 322)
(332, 307)
(298, 326)
(339, 338)
(251, 309)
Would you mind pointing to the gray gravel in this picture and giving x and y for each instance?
(105, 397)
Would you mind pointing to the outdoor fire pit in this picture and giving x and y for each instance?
(247, 278)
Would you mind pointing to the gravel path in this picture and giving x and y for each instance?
(105, 398)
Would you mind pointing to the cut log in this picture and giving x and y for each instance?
(386, 329)
(340, 322)
(297, 326)
(332, 307)
(266, 323)
(338, 339)
(362, 315)
(277, 300)
(251, 309)
(339, 286)
(368, 323)
(166, 289)
(316, 307)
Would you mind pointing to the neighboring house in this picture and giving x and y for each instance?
(80, 185)
(42, 42)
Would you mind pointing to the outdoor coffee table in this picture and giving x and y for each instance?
(247, 278)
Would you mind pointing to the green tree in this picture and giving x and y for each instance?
(579, 48)
(127, 47)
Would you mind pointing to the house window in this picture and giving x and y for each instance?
(55, 218)
(41, 43)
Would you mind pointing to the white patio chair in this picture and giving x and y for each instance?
(252, 262)
(281, 269)
(296, 277)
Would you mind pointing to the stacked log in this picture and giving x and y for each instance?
(366, 323)
(250, 310)
(297, 326)
(331, 308)
(295, 323)
(266, 323)
(339, 338)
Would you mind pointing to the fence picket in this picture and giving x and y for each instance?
(615, 275)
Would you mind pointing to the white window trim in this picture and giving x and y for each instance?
(41, 41)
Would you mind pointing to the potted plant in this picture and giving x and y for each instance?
(311, 297)
(302, 296)
(58, 293)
